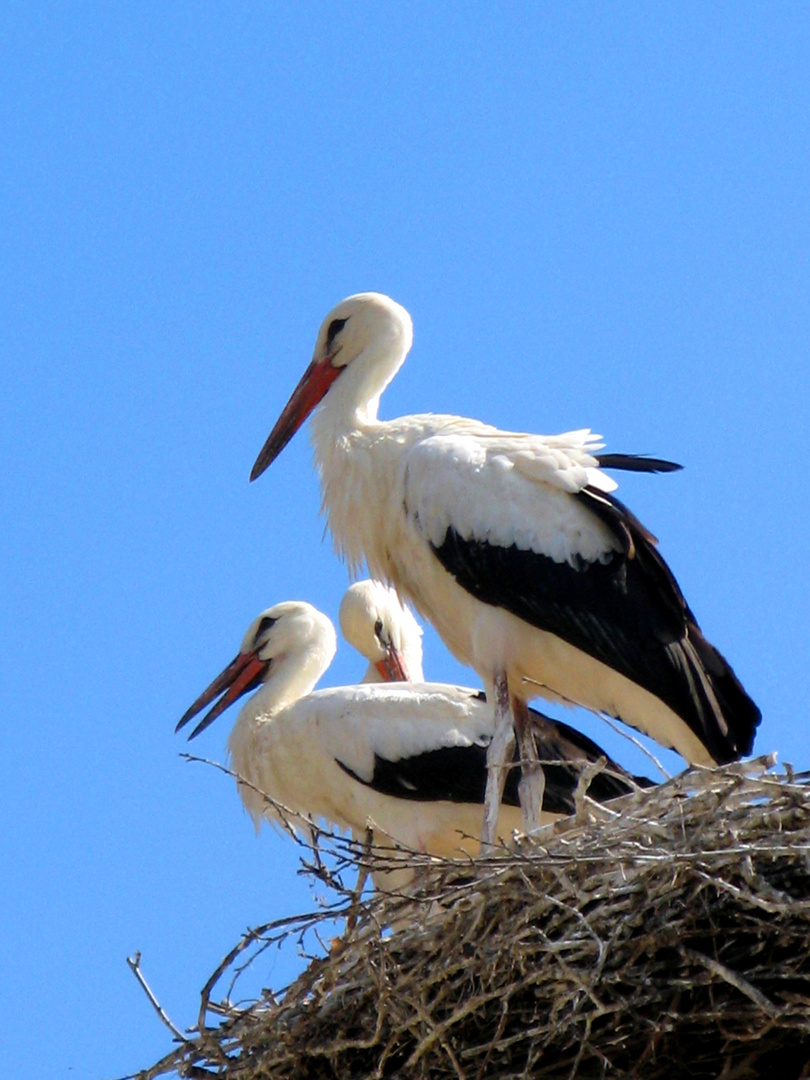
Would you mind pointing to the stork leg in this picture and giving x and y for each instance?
(499, 758)
(362, 878)
(532, 779)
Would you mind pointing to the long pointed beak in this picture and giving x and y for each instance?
(314, 383)
(243, 673)
(392, 667)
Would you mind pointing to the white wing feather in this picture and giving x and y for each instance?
(507, 489)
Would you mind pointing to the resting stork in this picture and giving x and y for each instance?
(408, 759)
(517, 551)
(380, 627)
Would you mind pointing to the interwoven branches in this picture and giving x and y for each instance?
(670, 939)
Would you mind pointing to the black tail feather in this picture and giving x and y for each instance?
(637, 463)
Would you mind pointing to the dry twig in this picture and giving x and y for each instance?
(670, 939)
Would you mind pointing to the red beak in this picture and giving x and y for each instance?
(243, 673)
(314, 383)
(392, 667)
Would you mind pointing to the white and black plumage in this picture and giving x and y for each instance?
(513, 546)
(353, 756)
(381, 628)
(408, 759)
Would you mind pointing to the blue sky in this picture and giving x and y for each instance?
(597, 216)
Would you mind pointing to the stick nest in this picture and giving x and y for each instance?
(668, 939)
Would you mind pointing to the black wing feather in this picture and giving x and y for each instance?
(458, 774)
(626, 611)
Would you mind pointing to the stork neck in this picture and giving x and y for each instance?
(292, 676)
(413, 660)
(354, 397)
(341, 416)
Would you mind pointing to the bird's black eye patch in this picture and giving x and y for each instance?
(378, 630)
(335, 326)
(266, 624)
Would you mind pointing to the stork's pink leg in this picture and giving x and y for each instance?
(533, 779)
(499, 758)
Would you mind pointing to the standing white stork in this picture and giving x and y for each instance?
(410, 760)
(375, 621)
(514, 548)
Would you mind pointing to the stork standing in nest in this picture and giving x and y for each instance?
(515, 548)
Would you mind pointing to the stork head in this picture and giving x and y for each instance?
(289, 645)
(369, 333)
(377, 624)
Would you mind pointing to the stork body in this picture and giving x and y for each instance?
(407, 759)
(379, 755)
(513, 546)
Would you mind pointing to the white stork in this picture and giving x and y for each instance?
(409, 759)
(513, 546)
(375, 621)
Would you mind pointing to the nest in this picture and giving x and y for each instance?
(668, 939)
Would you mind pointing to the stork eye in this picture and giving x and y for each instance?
(335, 326)
(266, 624)
(378, 631)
